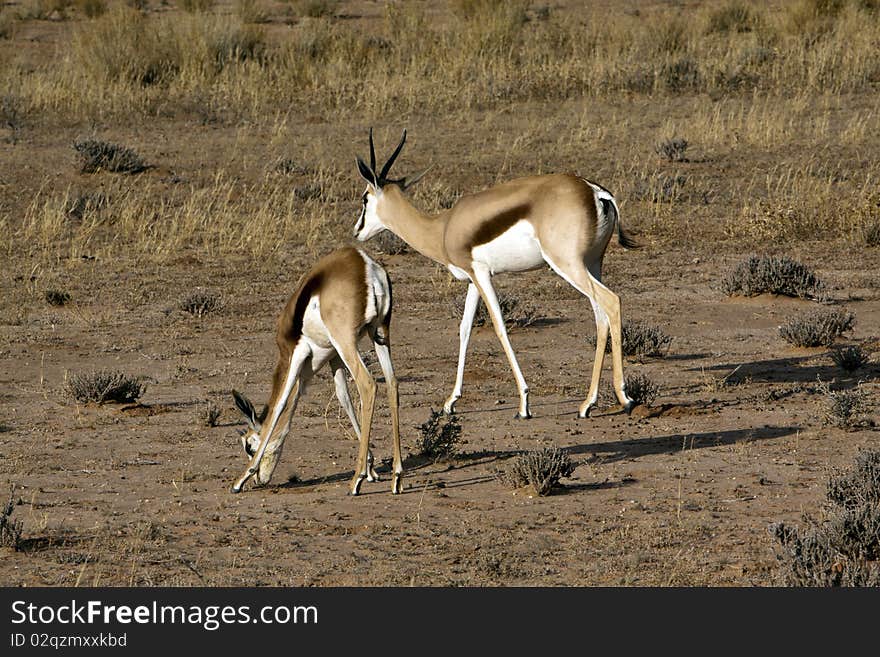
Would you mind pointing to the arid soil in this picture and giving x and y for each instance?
(681, 492)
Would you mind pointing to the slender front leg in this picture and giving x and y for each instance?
(297, 360)
(487, 291)
(342, 394)
(464, 335)
(383, 351)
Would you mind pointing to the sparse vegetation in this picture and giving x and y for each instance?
(871, 233)
(197, 5)
(843, 549)
(201, 302)
(772, 275)
(210, 414)
(844, 408)
(57, 297)
(817, 328)
(10, 528)
(639, 338)
(439, 435)
(540, 469)
(672, 149)
(104, 385)
(641, 388)
(850, 357)
(96, 155)
(516, 312)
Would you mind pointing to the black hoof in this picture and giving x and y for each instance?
(520, 416)
(629, 407)
(587, 412)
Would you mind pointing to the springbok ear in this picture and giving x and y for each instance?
(409, 181)
(247, 409)
(366, 173)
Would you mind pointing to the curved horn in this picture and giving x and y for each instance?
(387, 167)
(372, 154)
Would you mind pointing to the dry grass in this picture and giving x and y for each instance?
(641, 388)
(10, 528)
(439, 436)
(417, 63)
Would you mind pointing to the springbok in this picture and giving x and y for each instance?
(562, 220)
(345, 295)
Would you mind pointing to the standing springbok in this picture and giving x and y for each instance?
(345, 295)
(562, 220)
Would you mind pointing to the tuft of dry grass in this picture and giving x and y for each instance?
(817, 328)
(10, 528)
(210, 414)
(850, 357)
(439, 435)
(103, 385)
(844, 408)
(56, 297)
(639, 338)
(540, 469)
(201, 302)
(672, 149)
(641, 388)
(95, 155)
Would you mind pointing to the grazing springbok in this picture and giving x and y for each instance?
(563, 221)
(345, 295)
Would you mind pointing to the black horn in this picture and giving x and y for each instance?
(387, 167)
(372, 154)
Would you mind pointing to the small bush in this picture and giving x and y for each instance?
(440, 435)
(388, 242)
(641, 389)
(10, 529)
(845, 408)
(95, 155)
(201, 302)
(104, 385)
(57, 297)
(844, 549)
(83, 204)
(540, 468)
(210, 414)
(860, 485)
(817, 328)
(849, 358)
(672, 149)
(659, 188)
(639, 338)
(516, 313)
(772, 275)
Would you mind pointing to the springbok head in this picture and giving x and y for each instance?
(375, 212)
(250, 437)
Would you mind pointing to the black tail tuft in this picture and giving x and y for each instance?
(609, 208)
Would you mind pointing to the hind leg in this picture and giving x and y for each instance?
(606, 306)
(342, 394)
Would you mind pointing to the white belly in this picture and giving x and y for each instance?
(516, 249)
